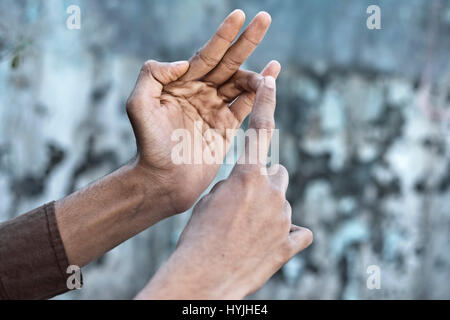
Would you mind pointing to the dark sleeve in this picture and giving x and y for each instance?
(33, 260)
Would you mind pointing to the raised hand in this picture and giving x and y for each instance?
(209, 90)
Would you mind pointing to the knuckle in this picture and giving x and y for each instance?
(284, 224)
(133, 103)
(264, 122)
(231, 64)
(254, 43)
(207, 60)
(267, 96)
(282, 170)
(277, 195)
(279, 170)
(287, 222)
(249, 176)
(147, 66)
(130, 105)
(288, 211)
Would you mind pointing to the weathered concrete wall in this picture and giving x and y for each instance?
(364, 118)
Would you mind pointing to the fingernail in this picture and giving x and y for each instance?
(266, 15)
(269, 82)
(179, 62)
(235, 11)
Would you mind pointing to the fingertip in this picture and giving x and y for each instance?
(237, 15)
(273, 69)
(307, 235)
(301, 238)
(275, 64)
(264, 17)
(276, 67)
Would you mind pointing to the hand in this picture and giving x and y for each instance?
(239, 234)
(167, 96)
(171, 96)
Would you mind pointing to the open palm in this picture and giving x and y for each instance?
(208, 94)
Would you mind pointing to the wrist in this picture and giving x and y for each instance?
(186, 276)
(164, 184)
(156, 197)
(109, 211)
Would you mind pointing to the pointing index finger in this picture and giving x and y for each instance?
(262, 123)
(244, 103)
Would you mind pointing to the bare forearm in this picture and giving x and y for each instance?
(109, 211)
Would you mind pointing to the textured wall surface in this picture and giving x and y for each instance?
(364, 119)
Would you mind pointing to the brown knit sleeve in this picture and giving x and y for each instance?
(33, 260)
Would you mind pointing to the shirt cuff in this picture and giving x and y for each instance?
(33, 261)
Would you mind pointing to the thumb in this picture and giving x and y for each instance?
(300, 238)
(154, 75)
(166, 72)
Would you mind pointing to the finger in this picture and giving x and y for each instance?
(242, 80)
(153, 76)
(273, 69)
(167, 72)
(212, 52)
(299, 238)
(279, 176)
(241, 49)
(262, 117)
(287, 210)
(243, 105)
(261, 124)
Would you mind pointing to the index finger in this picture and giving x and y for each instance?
(262, 123)
(209, 56)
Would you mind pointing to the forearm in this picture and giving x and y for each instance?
(111, 210)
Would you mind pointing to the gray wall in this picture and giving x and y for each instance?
(364, 119)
